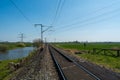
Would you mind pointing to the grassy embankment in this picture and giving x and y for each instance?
(5, 72)
(4, 69)
(109, 60)
(4, 65)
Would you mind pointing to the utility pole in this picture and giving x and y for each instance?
(21, 36)
(45, 40)
(42, 31)
(54, 40)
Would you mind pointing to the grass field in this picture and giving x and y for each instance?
(4, 70)
(110, 62)
(89, 46)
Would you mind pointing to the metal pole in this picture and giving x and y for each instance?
(42, 31)
(22, 37)
(41, 35)
(45, 40)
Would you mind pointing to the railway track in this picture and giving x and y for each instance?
(68, 69)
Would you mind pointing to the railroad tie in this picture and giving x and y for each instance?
(68, 67)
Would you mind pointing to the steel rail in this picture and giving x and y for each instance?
(80, 66)
(59, 69)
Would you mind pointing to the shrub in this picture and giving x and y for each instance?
(20, 45)
(3, 48)
(37, 43)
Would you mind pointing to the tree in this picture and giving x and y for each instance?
(37, 42)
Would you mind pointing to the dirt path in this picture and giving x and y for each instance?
(40, 67)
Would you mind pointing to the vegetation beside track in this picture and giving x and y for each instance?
(4, 69)
(88, 46)
(5, 72)
(107, 61)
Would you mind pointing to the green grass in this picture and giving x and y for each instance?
(89, 46)
(108, 60)
(5, 73)
(4, 70)
(3, 48)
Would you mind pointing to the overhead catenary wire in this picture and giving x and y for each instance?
(89, 19)
(98, 21)
(94, 22)
(21, 12)
(86, 20)
(78, 22)
(58, 11)
(100, 9)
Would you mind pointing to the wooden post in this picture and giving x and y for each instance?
(104, 52)
(118, 53)
(94, 50)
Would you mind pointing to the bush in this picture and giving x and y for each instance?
(3, 48)
(27, 44)
(20, 45)
(37, 43)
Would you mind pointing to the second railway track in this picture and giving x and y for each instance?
(68, 69)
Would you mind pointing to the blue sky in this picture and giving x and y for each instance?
(82, 20)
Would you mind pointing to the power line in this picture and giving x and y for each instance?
(59, 8)
(89, 19)
(77, 22)
(98, 21)
(100, 9)
(56, 12)
(20, 11)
